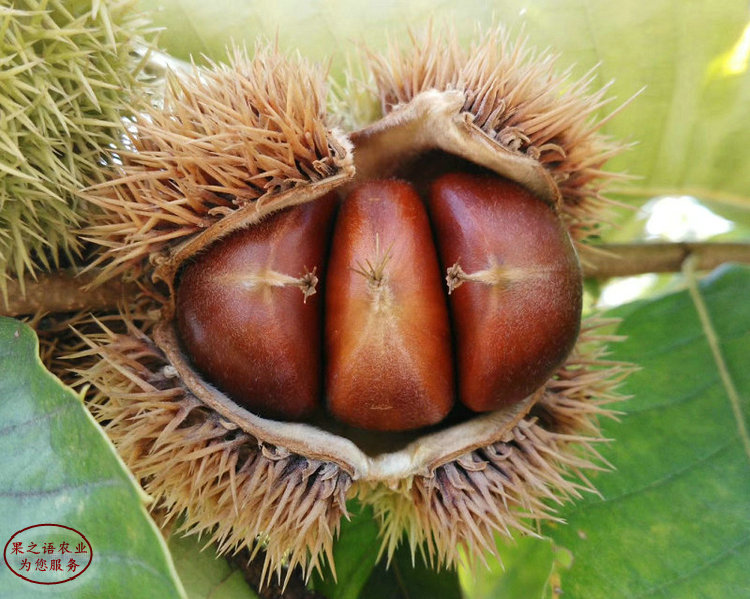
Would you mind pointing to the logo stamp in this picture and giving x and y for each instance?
(48, 553)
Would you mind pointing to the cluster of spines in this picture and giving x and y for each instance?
(240, 492)
(203, 471)
(225, 137)
(71, 73)
(517, 98)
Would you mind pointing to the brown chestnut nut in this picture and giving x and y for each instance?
(515, 304)
(388, 340)
(247, 315)
(515, 285)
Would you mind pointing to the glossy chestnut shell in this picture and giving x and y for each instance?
(470, 293)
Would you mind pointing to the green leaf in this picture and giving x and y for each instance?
(354, 553)
(674, 518)
(523, 570)
(58, 467)
(359, 577)
(205, 574)
(407, 579)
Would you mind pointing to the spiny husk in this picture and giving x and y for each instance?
(240, 141)
(241, 492)
(71, 72)
(518, 100)
(226, 138)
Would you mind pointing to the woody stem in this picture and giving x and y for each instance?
(627, 259)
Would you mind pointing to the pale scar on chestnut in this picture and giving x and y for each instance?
(463, 289)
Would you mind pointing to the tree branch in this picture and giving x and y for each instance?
(66, 291)
(622, 260)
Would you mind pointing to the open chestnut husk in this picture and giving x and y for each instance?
(391, 314)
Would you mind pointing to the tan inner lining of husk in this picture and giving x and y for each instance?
(417, 458)
(431, 121)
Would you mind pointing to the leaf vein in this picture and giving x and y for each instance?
(720, 556)
(713, 342)
(6, 430)
(675, 474)
(109, 482)
(695, 394)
